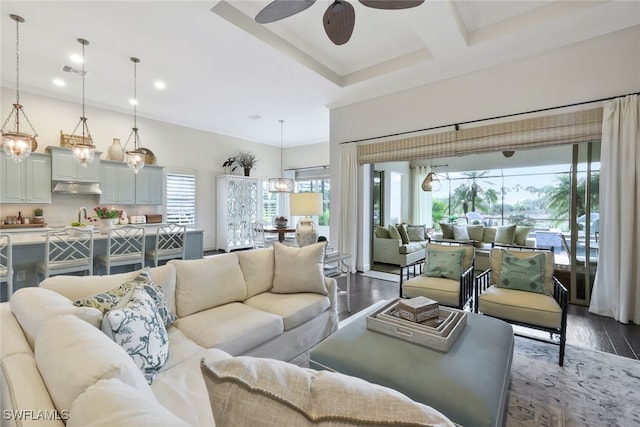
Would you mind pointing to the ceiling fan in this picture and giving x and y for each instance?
(339, 18)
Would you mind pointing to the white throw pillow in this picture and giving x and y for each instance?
(460, 232)
(137, 327)
(72, 355)
(299, 269)
(33, 306)
(111, 402)
(249, 391)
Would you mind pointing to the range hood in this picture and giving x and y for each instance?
(77, 188)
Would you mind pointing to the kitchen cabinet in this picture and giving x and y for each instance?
(28, 181)
(118, 183)
(66, 169)
(150, 185)
(237, 209)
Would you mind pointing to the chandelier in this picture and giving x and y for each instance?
(135, 158)
(82, 145)
(282, 184)
(18, 145)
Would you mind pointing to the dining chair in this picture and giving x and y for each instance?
(67, 251)
(125, 246)
(260, 239)
(169, 243)
(6, 263)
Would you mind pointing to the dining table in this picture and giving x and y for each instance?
(280, 230)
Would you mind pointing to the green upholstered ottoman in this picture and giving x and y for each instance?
(468, 384)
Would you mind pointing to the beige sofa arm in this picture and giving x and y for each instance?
(386, 249)
(332, 287)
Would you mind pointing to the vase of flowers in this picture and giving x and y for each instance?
(245, 159)
(107, 218)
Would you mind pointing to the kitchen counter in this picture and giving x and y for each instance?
(29, 248)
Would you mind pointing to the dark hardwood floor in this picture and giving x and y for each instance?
(583, 328)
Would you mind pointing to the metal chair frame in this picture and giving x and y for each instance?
(125, 246)
(6, 263)
(67, 251)
(560, 294)
(169, 243)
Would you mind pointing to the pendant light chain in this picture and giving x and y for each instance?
(281, 139)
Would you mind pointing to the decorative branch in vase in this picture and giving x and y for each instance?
(245, 159)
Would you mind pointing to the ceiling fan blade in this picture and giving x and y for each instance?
(280, 9)
(339, 20)
(391, 4)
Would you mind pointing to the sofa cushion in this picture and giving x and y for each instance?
(382, 233)
(136, 325)
(489, 235)
(181, 389)
(447, 230)
(447, 264)
(505, 234)
(295, 309)
(76, 287)
(521, 234)
(533, 308)
(234, 328)
(106, 301)
(404, 236)
(460, 232)
(476, 232)
(394, 233)
(208, 282)
(110, 402)
(411, 247)
(445, 291)
(299, 269)
(34, 306)
(258, 269)
(246, 391)
(523, 274)
(72, 355)
(416, 233)
(496, 265)
(12, 338)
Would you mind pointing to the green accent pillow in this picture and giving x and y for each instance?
(505, 234)
(521, 234)
(382, 233)
(523, 274)
(394, 233)
(417, 233)
(447, 264)
(447, 230)
(476, 232)
(402, 229)
(108, 300)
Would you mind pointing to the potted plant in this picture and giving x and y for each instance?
(245, 159)
(37, 216)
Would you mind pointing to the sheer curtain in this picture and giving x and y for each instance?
(616, 291)
(348, 224)
(420, 200)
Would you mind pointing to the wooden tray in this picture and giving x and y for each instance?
(440, 338)
(31, 225)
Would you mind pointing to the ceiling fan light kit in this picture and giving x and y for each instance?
(338, 20)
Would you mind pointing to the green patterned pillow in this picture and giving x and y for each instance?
(108, 300)
(136, 325)
(523, 274)
(447, 264)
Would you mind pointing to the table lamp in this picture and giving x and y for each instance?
(306, 204)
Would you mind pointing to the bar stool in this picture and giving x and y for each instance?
(125, 246)
(169, 243)
(6, 263)
(67, 251)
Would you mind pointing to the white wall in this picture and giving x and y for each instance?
(601, 67)
(306, 156)
(175, 147)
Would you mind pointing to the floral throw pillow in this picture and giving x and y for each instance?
(106, 301)
(138, 328)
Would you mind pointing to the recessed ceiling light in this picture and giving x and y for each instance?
(133, 101)
(76, 58)
(159, 84)
(59, 82)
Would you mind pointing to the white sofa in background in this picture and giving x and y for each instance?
(57, 363)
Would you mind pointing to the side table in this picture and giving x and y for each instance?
(344, 266)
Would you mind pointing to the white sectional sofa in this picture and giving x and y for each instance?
(55, 360)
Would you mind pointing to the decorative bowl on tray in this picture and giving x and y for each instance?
(281, 222)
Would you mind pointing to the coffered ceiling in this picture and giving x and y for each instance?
(227, 74)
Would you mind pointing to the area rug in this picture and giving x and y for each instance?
(591, 389)
(380, 275)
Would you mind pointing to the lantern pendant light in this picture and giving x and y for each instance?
(281, 185)
(83, 148)
(18, 145)
(135, 158)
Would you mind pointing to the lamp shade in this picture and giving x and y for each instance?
(306, 204)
